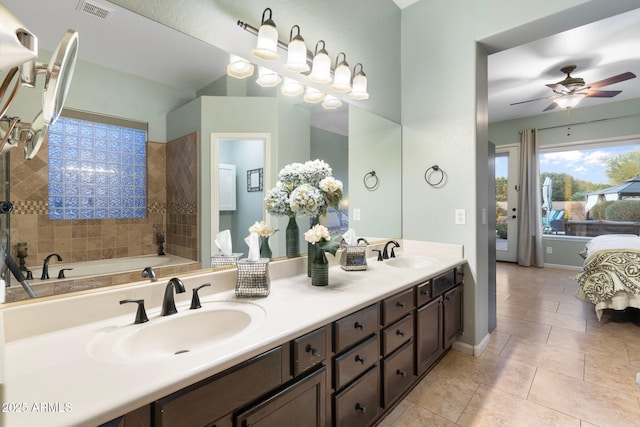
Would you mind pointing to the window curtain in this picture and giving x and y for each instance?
(530, 250)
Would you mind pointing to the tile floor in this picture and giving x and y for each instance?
(550, 363)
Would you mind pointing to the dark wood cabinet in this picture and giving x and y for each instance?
(300, 405)
(346, 374)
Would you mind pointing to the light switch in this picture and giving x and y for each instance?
(356, 214)
(461, 217)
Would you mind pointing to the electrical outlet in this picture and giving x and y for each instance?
(549, 249)
(460, 217)
(356, 214)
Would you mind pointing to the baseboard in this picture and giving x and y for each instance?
(566, 267)
(473, 350)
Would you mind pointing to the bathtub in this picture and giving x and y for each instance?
(106, 267)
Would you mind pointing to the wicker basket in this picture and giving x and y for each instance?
(224, 260)
(253, 278)
(354, 258)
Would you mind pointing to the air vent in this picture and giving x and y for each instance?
(94, 9)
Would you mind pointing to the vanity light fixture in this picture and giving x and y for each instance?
(267, 46)
(331, 102)
(267, 77)
(313, 95)
(359, 91)
(291, 87)
(297, 53)
(342, 75)
(321, 67)
(239, 67)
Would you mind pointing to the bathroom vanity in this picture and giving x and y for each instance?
(341, 355)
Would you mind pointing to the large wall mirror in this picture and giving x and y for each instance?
(133, 68)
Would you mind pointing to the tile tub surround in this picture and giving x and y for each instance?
(93, 388)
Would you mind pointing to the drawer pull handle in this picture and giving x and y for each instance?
(360, 408)
(359, 325)
(400, 333)
(400, 304)
(401, 373)
(424, 291)
(311, 349)
(359, 359)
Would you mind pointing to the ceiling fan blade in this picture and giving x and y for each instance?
(536, 99)
(611, 80)
(603, 93)
(551, 106)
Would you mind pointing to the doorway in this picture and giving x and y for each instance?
(507, 179)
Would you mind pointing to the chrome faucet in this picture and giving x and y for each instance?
(45, 266)
(148, 273)
(385, 253)
(168, 302)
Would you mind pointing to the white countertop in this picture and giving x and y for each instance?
(53, 368)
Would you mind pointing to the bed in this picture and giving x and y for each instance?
(611, 274)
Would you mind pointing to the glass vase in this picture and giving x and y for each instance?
(265, 250)
(320, 268)
(292, 237)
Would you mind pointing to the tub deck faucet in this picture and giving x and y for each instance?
(385, 253)
(168, 302)
(148, 273)
(45, 266)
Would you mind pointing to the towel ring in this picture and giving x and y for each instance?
(367, 177)
(433, 169)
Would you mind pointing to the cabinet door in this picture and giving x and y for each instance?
(397, 373)
(358, 404)
(453, 311)
(299, 405)
(428, 335)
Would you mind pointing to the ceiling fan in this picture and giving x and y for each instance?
(568, 92)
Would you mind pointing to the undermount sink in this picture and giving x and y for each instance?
(411, 262)
(188, 331)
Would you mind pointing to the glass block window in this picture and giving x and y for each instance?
(96, 170)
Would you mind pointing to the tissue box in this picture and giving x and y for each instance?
(225, 260)
(253, 278)
(354, 258)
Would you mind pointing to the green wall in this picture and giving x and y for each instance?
(333, 148)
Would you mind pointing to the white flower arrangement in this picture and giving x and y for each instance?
(304, 189)
(306, 200)
(319, 235)
(261, 228)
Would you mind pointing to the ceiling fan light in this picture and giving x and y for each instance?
(321, 67)
(297, 53)
(267, 78)
(239, 67)
(291, 87)
(342, 75)
(359, 90)
(267, 46)
(570, 100)
(313, 95)
(331, 102)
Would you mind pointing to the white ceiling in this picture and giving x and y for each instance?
(139, 46)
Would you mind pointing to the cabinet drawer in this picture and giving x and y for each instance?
(397, 306)
(354, 362)
(358, 404)
(229, 390)
(309, 350)
(395, 335)
(397, 373)
(355, 327)
(424, 293)
(444, 282)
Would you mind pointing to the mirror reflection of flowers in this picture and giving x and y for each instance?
(262, 229)
(319, 235)
(304, 189)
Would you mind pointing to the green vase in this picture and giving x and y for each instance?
(265, 250)
(319, 268)
(311, 248)
(292, 237)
